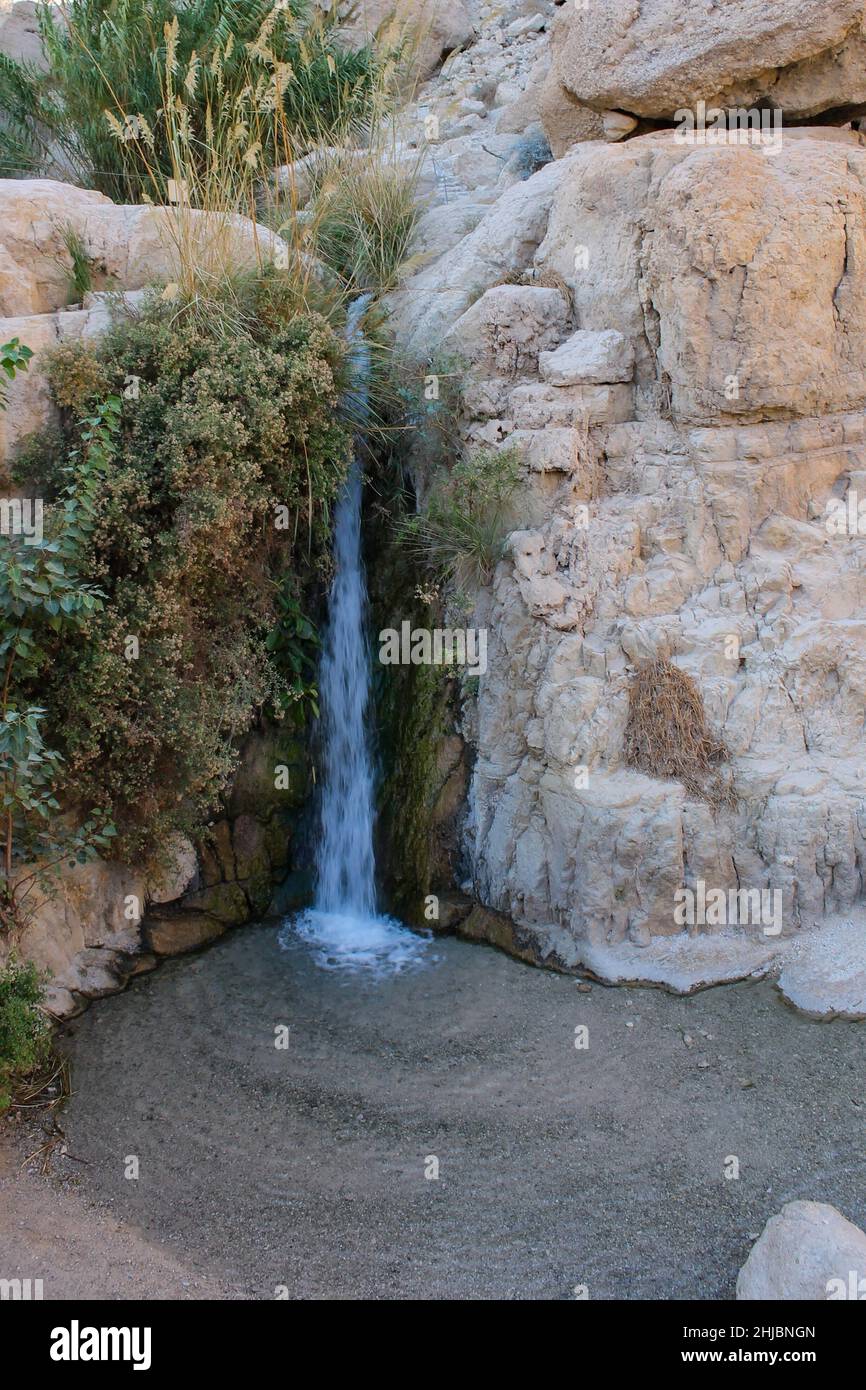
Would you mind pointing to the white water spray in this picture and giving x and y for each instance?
(343, 925)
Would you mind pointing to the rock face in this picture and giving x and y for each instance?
(505, 240)
(684, 450)
(808, 1251)
(803, 56)
(700, 293)
(507, 329)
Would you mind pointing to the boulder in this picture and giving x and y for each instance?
(705, 257)
(803, 56)
(433, 28)
(587, 359)
(19, 33)
(176, 873)
(807, 1251)
(506, 329)
(127, 248)
(566, 120)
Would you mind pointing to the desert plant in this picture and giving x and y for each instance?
(80, 274)
(24, 1030)
(362, 213)
(462, 526)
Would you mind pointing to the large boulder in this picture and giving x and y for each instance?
(566, 120)
(804, 56)
(807, 1251)
(126, 247)
(707, 258)
(504, 332)
(431, 28)
(19, 32)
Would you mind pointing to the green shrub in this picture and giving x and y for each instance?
(14, 358)
(462, 527)
(80, 275)
(24, 1031)
(210, 522)
(44, 599)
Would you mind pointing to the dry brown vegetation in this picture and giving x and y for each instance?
(666, 733)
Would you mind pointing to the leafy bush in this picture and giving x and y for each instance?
(24, 1032)
(14, 358)
(217, 503)
(43, 599)
(110, 57)
(39, 594)
(462, 528)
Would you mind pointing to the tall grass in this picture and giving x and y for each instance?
(109, 56)
(225, 172)
(461, 531)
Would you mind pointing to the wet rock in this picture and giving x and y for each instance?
(227, 902)
(176, 874)
(178, 933)
(454, 908)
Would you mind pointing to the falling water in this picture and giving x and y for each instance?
(343, 925)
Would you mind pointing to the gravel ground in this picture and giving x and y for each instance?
(558, 1167)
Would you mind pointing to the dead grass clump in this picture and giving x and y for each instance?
(666, 734)
(540, 280)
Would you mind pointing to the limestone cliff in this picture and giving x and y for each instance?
(689, 408)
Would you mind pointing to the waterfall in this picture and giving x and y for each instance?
(344, 858)
(343, 925)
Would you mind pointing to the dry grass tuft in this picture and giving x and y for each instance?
(540, 280)
(666, 733)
